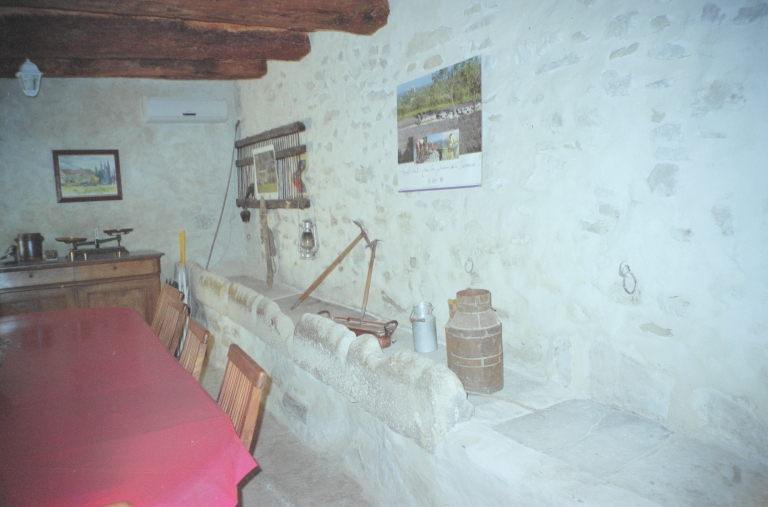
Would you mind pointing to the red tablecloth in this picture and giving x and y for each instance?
(94, 410)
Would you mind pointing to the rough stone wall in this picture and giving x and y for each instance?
(615, 132)
(411, 394)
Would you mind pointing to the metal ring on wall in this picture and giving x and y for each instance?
(625, 273)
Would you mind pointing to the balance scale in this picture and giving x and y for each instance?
(77, 253)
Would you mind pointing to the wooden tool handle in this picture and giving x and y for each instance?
(327, 271)
(368, 280)
(265, 240)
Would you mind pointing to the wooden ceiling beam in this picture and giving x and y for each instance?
(193, 70)
(90, 36)
(362, 17)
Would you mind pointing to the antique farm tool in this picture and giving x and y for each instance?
(372, 244)
(265, 240)
(381, 330)
(335, 263)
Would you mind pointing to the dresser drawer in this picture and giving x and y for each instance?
(116, 270)
(36, 277)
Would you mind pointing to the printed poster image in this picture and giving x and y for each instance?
(440, 129)
(265, 166)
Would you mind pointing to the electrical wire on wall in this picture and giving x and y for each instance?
(226, 193)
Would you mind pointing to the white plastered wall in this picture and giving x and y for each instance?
(614, 132)
(174, 176)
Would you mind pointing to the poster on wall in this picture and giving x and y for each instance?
(440, 129)
(265, 166)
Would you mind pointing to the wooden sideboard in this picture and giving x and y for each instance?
(132, 281)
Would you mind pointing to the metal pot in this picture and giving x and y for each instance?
(30, 246)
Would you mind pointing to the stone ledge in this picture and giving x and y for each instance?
(245, 307)
(412, 394)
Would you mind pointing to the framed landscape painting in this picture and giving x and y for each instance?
(87, 175)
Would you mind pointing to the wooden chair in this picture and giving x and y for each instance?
(167, 293)
(120, 504)
(171, 324)
(173, 292)
(240, 393)
(195, 346)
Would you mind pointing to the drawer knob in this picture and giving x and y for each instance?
(114, 268)
(31, 275)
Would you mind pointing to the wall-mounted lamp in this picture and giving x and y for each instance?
(308, 243)
(29, 77)
(245, 215)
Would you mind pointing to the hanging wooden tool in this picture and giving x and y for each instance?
(265, 240)
(333, 264)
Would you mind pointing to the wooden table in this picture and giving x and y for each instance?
(94, 410)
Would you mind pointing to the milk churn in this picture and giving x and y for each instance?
(473, 342)
(424, 330)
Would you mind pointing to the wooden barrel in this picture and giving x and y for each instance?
(473, 342)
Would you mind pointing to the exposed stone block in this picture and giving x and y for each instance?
(241, 304)
(209, 289)
(412, 394)
(244, 306)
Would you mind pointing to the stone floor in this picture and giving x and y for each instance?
(641, 456)
(622, 452)
(290, 474)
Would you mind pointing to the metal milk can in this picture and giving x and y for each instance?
(424, 330)
(473, 342)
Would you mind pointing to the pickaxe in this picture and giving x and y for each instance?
(335, 263)
(372, 245)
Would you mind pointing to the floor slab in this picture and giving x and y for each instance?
(641, 456)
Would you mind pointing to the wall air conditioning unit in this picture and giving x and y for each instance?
(159, 110)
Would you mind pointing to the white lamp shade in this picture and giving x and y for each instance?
(29, 77)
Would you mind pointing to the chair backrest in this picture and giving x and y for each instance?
(167, 293)
(173, 292)
(240, 393)
(195, 346)
(171, 324)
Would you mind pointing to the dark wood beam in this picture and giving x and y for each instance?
(91, 36)
(362, 17)
(193, 70)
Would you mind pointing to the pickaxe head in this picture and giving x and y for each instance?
(362, 231)
(372, 244)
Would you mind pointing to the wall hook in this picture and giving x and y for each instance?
(625, 273)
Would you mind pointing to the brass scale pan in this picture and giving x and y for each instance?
(74, 239)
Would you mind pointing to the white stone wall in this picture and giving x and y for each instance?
(174, 176)
(614, 132)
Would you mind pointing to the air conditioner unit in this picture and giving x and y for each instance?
(159, 110)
